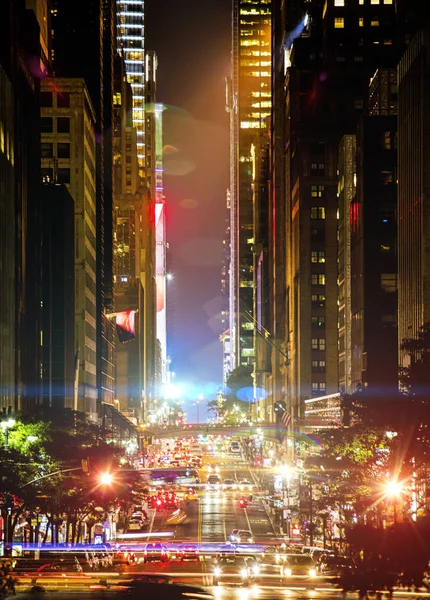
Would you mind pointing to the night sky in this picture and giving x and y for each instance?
(192, 39)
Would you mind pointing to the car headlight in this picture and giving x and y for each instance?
(243, 573)
(288, 572)
(217, 571)
(256, 569)
(312, 572)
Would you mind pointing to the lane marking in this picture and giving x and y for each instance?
(199, 522)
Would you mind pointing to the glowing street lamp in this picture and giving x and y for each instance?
(106, 478)
(393, 490)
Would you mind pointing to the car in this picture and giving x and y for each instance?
(189, 551)
(70, 566)
(191, 496)
(299, 565)
(229, 484)
(235, 448)
(333, 566)
(231, 568)
(140, 514)
(176, 518)
(213, 481)
(245, 484)
(156, 551)
(135, 525)
(239, 536)
(156, 586)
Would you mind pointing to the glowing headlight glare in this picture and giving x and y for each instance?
(243, 573)
(217, 571)
(256, 570)
(312, 573)
(287, 572)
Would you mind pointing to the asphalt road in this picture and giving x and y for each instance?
(216, 513)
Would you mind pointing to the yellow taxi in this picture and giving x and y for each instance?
(191, 495)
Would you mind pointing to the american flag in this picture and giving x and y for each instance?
(286, 419)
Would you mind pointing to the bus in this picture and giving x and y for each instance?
(176, 475)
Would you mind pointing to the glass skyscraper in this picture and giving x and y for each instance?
(131, 40)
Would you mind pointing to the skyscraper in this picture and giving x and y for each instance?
(93, 20)
(69, 157)
(20, 208)
(414, 188)
(249, 104)
(333, 51)
(131, 39)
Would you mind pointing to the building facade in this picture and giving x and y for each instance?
(69, 157)
(131, 41)
(20, 205)
(249, 104)
(59, 360)
(413, 189)
(128, 292)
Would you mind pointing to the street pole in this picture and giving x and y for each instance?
(311, 517)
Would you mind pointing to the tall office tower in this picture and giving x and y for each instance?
(131, 40)
(347, 193)
(43, 16)
(93, 21)
(277, 233)
(69, 157)
(20, 227)
(128, 291)
(261, 274)
(367, 238)
(249, 103)
(153, 242)
(59, 366)
(225, 284)
(340, 46)
(413, 188)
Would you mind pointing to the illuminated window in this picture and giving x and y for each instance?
(389, 282)
(318, 257)
(317, 191)
(317, 212)
(314, 344)
(339, 23)
(360, 22)
(374, 1)
(318, 279)
(374, 23)
(360, 1)
(247, 352)
(339, 2)
(388, 1)
(250, 124)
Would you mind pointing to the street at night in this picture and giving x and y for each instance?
(215, 303)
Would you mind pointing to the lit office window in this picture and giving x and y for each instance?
(339, 23)
(339, 2)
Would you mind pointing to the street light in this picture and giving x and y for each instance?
(6, 425)
(106, 478)
(286, 473)
(394, 490)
